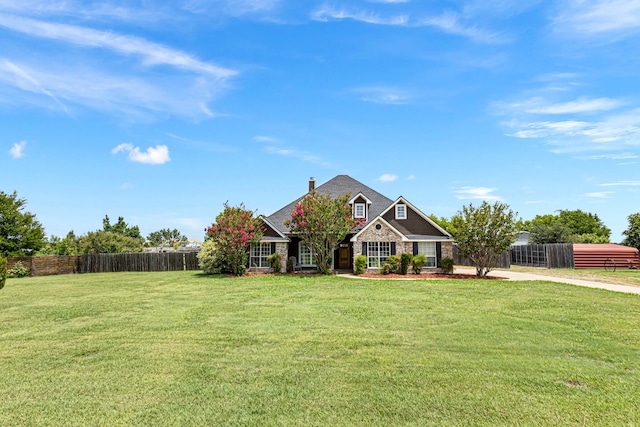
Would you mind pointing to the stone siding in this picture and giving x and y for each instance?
(385, 234)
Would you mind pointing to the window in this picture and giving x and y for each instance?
(359, 210)
(428, 249)
(306, 257)
(259, 254)
(401, 211)
(377, 253)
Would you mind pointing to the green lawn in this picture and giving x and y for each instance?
(187, 349)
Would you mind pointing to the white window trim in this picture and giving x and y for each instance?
(401, 213)
(355, 210)
(432, 261)
(302, 244)
(380, 259)
(259, 251)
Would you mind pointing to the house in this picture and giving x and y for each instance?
(391, 227)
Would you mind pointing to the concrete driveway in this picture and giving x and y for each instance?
(513, 275)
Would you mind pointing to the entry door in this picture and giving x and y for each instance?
(343, 258)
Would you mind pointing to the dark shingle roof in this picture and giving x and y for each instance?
(335, 187)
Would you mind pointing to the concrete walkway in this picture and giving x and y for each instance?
(513, 275)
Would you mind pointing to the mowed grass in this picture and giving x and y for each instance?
(182, 348)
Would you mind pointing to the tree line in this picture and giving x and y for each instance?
(21, 234)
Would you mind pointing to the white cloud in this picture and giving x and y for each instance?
(17, 149)
(263, 138)
(580, 17)
(600, 194)
(157, 155)
(411, 177)
(328, 13)
(624, 156)
(477, 193)
(622, 184)
(300, 155)
(449, 22)
(383, 95)
(539, 105)
(151, 54)
(107, 71)
(387, 177)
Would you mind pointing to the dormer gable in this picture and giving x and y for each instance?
(360, 206)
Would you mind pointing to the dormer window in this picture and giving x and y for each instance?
(401, 211)
(359, 210)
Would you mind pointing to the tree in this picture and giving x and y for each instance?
(322, 222)
(632, 232)
(170, 238)
(121, 227)
(568, 226)
(20, 233)
(235, 229)
(58, 246)
(483, 233)
(107, 242)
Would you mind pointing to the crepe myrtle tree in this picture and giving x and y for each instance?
(322, 222)
(483, 233)
(235, 229)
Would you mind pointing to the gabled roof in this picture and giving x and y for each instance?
(335, 187)
(445, 233)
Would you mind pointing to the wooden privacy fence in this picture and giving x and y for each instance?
(155, 261)
(556, 255)
(503, 260)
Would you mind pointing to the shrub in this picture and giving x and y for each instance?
(390, 265)
(446, 264)
(418, 262)
(211, 259)
(361, 264)
(3, 272)
(18, 270)
(405, 262)
(290, 263)
(275, 260)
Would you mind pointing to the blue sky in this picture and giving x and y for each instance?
(160, 111)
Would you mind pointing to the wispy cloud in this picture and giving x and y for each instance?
(448, 22)
(598, 17)
(573, 125)
(600, 194)
(151, 54)
(300, 155)
(68, 74)
(387, 177)
(17, 149)
(329, 13)
(477, 193)
(452, 23)
(623, 156)
(539, 105)
(383, 95)
(263, 138)
(622, 184)
(24, 80)
(157, 155)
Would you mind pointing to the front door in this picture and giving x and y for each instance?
(344, 261)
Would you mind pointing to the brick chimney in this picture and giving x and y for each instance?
(312, 184)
